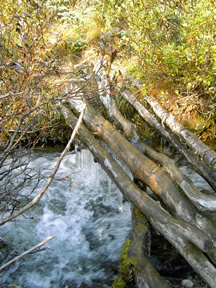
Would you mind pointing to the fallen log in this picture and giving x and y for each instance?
(198, 147)
(178, 232)
(144, 169)
(110, 103)
(146, 275)
(185, 183)
(136, 267)
(201, 200)
(197, 164)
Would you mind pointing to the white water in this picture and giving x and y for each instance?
(90, 222)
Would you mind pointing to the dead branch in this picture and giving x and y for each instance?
(110, 103)
(51, 177)
(25, 253)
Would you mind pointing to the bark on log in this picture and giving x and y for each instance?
(199, 148)
(144, 169)
(158, 217)
(201, 200)
(146, 275)
(193, 256)
(110, 103)
(187, 186)
(198, 165)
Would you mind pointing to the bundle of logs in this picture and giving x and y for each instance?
(180, 212)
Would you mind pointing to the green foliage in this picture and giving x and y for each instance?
(174, 40)
(167, 41)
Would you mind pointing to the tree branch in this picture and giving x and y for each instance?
(25, 253)
(51, 177)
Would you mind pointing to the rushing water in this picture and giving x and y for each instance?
(90, 222)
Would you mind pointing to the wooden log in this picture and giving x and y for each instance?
(146, 275)
(184, 182)
(110, 103)
(201, 200)
(194, 257)
(171, 228)
(197, 146)
(197, 164)
(146, 170)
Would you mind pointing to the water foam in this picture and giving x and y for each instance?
(86, 214)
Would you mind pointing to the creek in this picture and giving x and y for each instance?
(90, 221)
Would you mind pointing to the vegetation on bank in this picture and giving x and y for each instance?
(168, 45)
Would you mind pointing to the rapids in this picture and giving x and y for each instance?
(90, 221)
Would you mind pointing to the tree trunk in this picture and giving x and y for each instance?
(201, 200)
(110, 103)
(178, 232)
(146, 275)
(144, 169)
(197, 164)
(197, 146)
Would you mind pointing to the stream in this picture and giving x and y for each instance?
(90, 222)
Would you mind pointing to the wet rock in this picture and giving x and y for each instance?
(186, 283)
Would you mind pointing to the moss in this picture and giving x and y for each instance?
(126, 277)
(128, 265)
(190, 251)
(119, 283)
(145, 133)
(139, 216)
(141, 228)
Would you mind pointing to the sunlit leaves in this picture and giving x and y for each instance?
(178, 37)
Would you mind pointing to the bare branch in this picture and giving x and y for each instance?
(25, 253)
(51, 177)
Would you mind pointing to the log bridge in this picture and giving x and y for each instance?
(179, 211)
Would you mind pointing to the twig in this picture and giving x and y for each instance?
(17, 258)
(51, 177)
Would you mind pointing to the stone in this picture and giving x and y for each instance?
(186, 283)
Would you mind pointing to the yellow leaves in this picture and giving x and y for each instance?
(189, 85)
